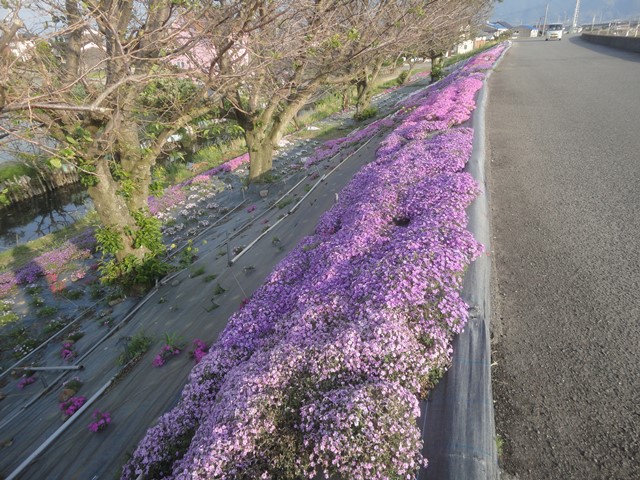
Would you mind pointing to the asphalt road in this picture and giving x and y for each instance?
(563, 130)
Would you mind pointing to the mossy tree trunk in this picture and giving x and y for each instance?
(364, 86)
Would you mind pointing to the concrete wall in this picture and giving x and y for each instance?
(624, 43)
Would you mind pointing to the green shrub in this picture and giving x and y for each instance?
(8, 318)
(366, 113)
(134, 273)
(211, 155)
(403, 77)
(437, 72)
(10, 170)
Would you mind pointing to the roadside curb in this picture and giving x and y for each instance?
(457, 419)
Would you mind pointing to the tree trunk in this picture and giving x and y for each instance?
(134, 163)
(260, 152)
(364, 88)
(363, 95)
(112, 209)
(73, 43)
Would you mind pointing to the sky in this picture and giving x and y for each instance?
(530, 11)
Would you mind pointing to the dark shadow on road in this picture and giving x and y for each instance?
(612, 52)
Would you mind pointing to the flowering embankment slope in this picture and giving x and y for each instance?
(322, 370)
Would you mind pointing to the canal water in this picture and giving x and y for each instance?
(45, 214)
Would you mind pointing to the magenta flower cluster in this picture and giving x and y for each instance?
(24, 381)
(100, 421)
(166, 352)
(200, 349)
(320, 374)
(68, 352)
(72, 405)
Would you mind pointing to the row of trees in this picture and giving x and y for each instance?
(103, 84)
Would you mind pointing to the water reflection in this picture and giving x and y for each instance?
(40, 216)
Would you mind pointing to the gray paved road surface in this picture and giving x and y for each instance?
(564, 164)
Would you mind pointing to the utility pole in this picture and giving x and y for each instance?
(544, 25)
(576, 15)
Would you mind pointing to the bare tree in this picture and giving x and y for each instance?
(312, 43)
(105, 85)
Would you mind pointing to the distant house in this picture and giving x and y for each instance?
(525, 31)
(496, 28)
(463, 47)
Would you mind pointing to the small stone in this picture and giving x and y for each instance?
(264, 193)
(115, 302)
(175, 283)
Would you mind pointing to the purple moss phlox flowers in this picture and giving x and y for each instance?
(24, 381)
(331, 147)
(321, 373)
(200, 350)
(72, 405)
(67, 353)
(166, 352)
(100, 421)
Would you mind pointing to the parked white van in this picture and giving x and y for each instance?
(553, 32)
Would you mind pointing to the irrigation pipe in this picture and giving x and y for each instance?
(114, 329)
(32, 352)
(54, 436)
(215, 224)
(295, 207)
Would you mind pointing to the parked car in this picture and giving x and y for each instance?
(554, 32)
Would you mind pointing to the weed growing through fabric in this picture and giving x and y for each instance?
(499, 446)
(71, 294)
(210, 278)
(284, 202)
(46, 311)
(188, 255)
(73, 383)
(218, 289)
(37, 302)
(196, 272)
(135, 348)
